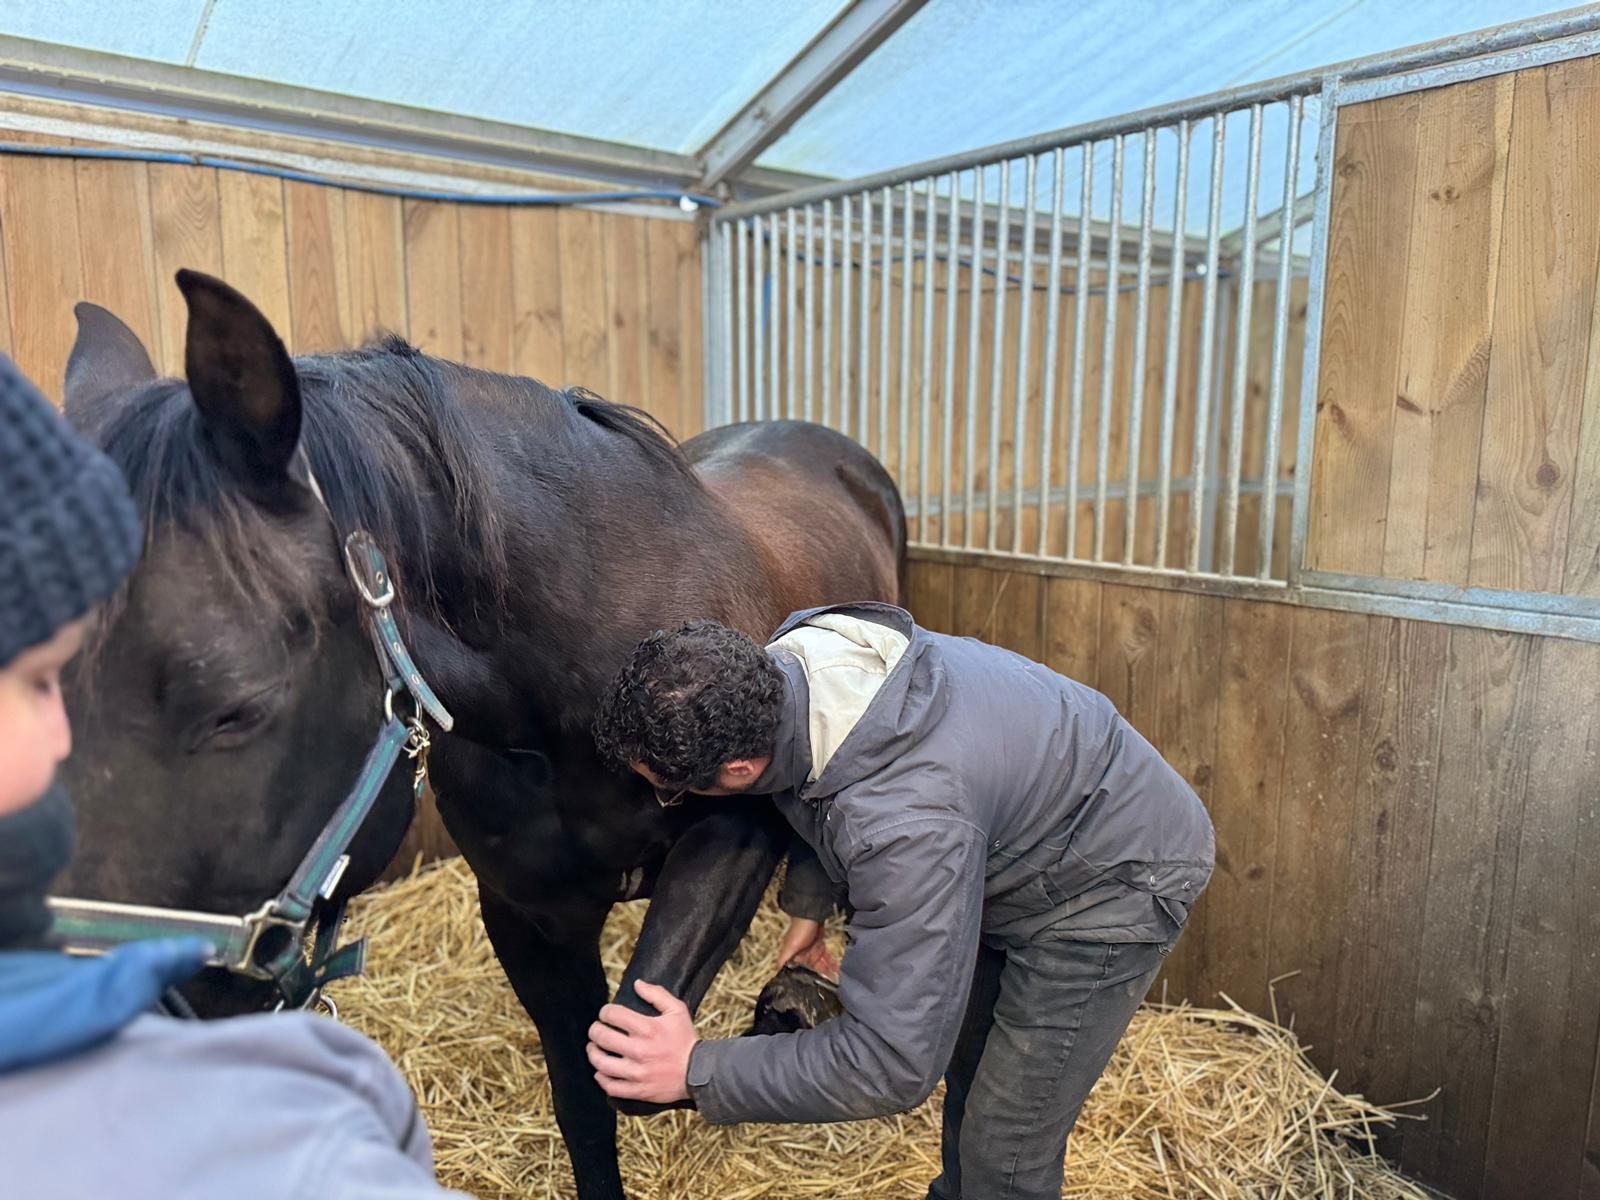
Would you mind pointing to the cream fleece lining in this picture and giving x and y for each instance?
(846, 661)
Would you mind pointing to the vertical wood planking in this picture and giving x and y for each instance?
(1072, 628)
(973, 609)
(1258, 373)
(536, 296)
(1019, 613)
(1581, 575)
(584, 341)
(319, 268)
(254, 256)
(118, 251)
(664, 394)
(626, 291)
(433, 278)
(1589, 1185)
(1188, 674)
(1391, 836)
(1183, 426)
(487, 305)
(1310, 884)
(1459, 195)
(1321, 741)
(930, 594)
(6, 344)
(1256, 641)
(1544, 305)
(375, 240)
(186, 225)
(1129, 639)
(43, 264)
(1490, 688)
(1368, 244)
(691, 334)
(1545, 1070)
(1288, 443)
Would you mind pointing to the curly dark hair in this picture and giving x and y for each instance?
(688, 701)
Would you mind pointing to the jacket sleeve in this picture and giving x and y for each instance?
(807, 891)
(917, 892)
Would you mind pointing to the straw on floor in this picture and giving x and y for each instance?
(1196, 1103)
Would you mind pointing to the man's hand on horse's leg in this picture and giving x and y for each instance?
(636, 1057)
(804, 944)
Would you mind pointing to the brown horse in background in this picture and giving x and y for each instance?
(536, 535)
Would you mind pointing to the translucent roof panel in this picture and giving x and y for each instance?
(668, 74)
(645, 72)
(963, 74)
(158, 29)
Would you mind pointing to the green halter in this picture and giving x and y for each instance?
(292, 939)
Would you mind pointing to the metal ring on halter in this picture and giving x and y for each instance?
(318, 1002)
(413, 720)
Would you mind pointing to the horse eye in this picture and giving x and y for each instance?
(237, 725)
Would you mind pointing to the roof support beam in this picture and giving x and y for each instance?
(66, 73)
(1270, 225)
(855, 33)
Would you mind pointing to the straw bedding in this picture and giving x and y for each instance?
(1196, 1103)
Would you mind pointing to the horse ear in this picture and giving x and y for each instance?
(243, 382)
(107, 357)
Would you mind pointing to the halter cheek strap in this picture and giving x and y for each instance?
(292, 939)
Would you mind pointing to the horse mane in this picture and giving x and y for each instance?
(383, 433)
(638, 426)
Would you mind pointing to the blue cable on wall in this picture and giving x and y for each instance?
(685, 200)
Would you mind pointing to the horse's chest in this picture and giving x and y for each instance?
(579, 835)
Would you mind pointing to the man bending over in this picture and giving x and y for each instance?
(1016, 858)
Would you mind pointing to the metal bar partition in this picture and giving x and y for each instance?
(976, 405)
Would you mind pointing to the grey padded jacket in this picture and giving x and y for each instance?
(976, 795)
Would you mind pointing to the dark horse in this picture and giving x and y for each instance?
(536, 535)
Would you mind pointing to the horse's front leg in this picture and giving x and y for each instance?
(708, 890)
(562, 985)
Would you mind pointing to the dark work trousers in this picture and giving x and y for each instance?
(1041, 1023)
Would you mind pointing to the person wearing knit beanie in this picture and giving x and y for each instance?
(275, 1105)
(69, 535)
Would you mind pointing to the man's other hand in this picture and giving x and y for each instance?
(636, 1057)
(804, 944)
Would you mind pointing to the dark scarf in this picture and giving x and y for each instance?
(35, 845)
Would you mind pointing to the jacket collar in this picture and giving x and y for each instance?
(909, 703)
(791, 751)
(895, 618)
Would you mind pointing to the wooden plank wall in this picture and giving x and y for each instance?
(1408, 820)
(569, 296)
(1458, 433)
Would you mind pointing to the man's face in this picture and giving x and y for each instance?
(34, 735)
(733, 779)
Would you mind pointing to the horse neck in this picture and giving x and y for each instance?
(603, 543)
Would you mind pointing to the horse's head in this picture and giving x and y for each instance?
(227, 703)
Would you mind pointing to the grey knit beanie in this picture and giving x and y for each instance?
(69, 531)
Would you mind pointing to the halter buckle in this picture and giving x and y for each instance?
(258, 923)
(368, 569)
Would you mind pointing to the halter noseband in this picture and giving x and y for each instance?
(292, 939)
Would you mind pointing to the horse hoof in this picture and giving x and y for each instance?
(795, 998)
